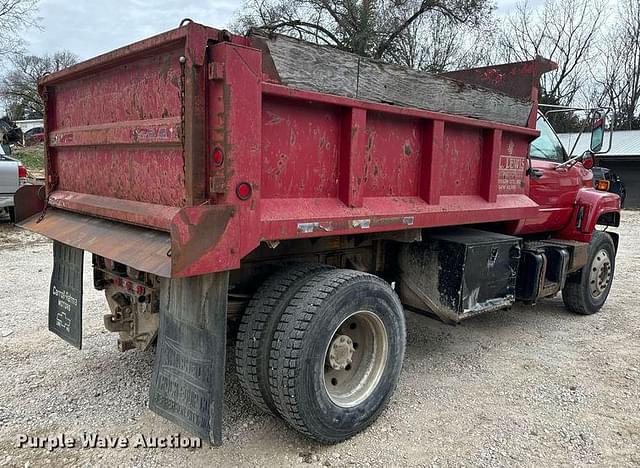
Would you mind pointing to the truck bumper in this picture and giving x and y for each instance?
(6, 200)
(144, 249)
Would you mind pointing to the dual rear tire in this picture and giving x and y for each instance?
(329, 350)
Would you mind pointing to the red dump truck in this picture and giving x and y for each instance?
(297, 199)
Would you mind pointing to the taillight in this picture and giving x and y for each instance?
(603, 185)
(22, 172)
(218, 157)
(243, 190)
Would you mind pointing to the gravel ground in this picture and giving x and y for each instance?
(528, 386)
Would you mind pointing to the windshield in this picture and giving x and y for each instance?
(546, 146)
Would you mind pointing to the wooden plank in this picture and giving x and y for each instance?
(352, 149)
(491, 145)
(432, 155)
(303, 65)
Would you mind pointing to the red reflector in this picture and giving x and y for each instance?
(139, 290)
(218, 157)
(243, 190)
(22, 171)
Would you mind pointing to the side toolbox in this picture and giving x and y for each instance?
(459, 273)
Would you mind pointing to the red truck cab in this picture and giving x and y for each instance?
(569, 203)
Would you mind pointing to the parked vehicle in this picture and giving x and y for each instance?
(12, 175)
(9, 132)
(607, 180)
(34, 135)
(298, 197)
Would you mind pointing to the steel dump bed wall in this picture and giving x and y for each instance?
(126, 122)
(184, 134)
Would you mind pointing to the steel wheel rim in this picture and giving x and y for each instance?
(599, 274)
(355, 359)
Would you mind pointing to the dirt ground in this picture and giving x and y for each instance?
(529, 386)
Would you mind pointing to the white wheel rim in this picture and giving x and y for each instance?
(599, 274)
(355, 359)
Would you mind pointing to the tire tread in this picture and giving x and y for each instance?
(573, 291)
(288, 341)
(250, 339)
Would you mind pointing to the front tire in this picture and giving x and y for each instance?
(587, 290)
(337, 354)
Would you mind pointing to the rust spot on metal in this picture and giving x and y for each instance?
(274, 119)
(369, 140)
(196, 231)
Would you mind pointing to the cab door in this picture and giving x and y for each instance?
(554, 189)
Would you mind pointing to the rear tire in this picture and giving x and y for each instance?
(587, 290)
(337, 354)
(257, 325)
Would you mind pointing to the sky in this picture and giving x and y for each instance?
(88, 28)
(91, 27)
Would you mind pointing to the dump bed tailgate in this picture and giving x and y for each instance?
(117, 130)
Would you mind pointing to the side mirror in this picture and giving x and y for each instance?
(597, 135)
(587, 161)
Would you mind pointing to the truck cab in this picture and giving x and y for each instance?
(569, 204)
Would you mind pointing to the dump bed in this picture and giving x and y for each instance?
(179, 154)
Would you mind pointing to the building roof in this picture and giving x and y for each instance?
(29, 121)
(625, 144)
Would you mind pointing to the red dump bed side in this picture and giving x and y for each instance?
(178, 155)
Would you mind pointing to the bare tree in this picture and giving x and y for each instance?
(372, 28)
(20, 86)
(619, 75)
(565, 31)
(15, 16)
(437, 43)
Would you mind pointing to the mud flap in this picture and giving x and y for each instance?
(188, 375)
(65, 294)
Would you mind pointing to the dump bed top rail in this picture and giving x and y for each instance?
(325, 69)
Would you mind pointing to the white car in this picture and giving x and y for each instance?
(12, 175)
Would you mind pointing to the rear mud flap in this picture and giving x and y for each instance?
(188, 376)
(65, 294)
